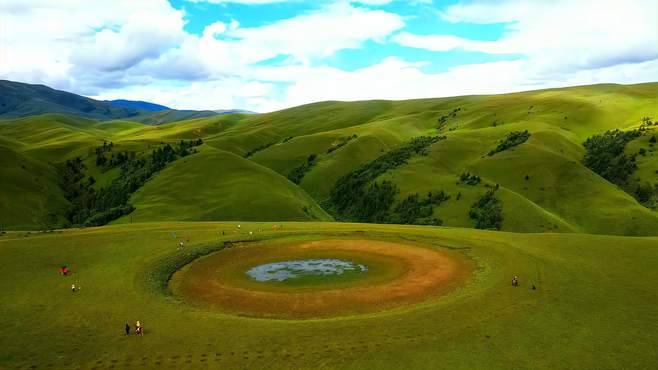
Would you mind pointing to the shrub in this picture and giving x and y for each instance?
(469, 179)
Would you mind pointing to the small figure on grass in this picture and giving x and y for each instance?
(64, 270)
(73, 288)
(181, 245)
(515, 281)
(139, 330)
(127, 329)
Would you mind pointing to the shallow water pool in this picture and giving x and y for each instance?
(290, 270)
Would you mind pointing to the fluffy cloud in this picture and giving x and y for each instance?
(556, 35)
(140, 50)
(76, 43)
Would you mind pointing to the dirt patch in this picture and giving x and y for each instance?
(402, 274)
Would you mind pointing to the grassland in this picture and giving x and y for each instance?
(543, 185)
(594, 306)
(587, 246)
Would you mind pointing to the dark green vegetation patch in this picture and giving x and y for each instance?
(298, 172)
(487, 212)
(94, 207)
(358, 196)
(511, 140)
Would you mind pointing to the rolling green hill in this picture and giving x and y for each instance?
(240, 172)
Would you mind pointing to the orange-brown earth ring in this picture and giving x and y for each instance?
(399, 274)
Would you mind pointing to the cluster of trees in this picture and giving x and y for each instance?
(487, 211)
(414, 210)
(469, 179)
(358, 197)
(443, 120)
(604, 154)
(297, 174)
(512, 139)
(647, 194)
(101, 159)
(94, 207)
(646, 122)
(259, 148)
(340, 143)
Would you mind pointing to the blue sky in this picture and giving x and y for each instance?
(420, 18)
(265, 55)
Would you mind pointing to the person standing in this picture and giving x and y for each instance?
(72, 288)
(127, 329)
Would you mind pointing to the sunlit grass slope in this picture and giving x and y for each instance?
(218, 185)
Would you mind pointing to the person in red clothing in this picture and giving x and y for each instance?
(65, 270)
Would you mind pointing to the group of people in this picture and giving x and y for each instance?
(64, 271)
(139, 329)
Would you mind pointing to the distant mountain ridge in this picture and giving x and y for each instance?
(138, 104)
(19, 100)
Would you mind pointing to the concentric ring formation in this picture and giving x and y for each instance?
(398, 274)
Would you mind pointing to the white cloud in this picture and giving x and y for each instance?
(446, 43)
(556, 35)
(139, 50)
(337, 26)
(67, 44)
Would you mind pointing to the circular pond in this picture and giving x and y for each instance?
(302, 279)
(303, 270)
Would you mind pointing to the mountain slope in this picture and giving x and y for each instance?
(20, 100)
(240, 172)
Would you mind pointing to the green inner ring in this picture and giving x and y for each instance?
(231, 272)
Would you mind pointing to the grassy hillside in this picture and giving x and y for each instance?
(217, 185)
(543, 185)
(594, 306)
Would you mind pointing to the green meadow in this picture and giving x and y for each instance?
(594, 305)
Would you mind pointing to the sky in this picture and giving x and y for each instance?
(266, 55)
